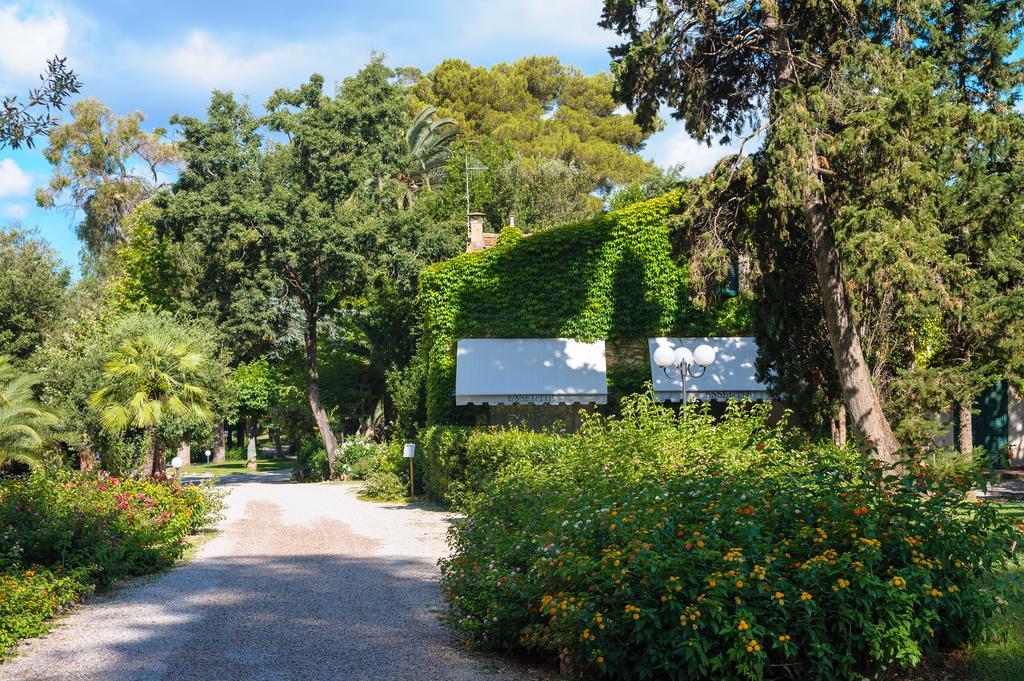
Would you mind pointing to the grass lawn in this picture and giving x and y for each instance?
(229, 467)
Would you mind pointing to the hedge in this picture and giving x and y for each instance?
(612, 277)
(457, 463)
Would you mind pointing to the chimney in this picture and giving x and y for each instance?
(475, 242)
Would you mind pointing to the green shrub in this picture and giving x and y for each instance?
(384, 473)
(442, 458)
(237, 453)
(311, 463)
(29, 600)
(353, 450)
(356, 457)
(384, 485)
(654, 548)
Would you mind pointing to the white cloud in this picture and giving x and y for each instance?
(29, 38)
(570, 23)
(14, 181)
(14, 211)
(673, 145)
(203, 60)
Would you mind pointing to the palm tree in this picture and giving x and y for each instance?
(149, 378)
(25, 425)
(428, 143)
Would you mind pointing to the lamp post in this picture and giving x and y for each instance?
(680, 363)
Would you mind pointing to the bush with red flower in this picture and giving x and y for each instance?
(64, 534)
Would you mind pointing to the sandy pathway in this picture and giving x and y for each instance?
(305, 582)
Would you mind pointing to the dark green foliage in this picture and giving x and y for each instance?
(613, 277)
(441, 455)
(33, 288)
(215, 213)
(887, 126)
(311, 463)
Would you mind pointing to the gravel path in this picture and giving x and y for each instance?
(304, 582)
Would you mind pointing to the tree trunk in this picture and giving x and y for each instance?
(839, 427)
(859, 395)
(154, 456)
(278, 450)
(965, 432)
(218, 445)
(86, 459)
(316, 404)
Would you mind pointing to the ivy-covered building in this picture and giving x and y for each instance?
(612, 280)
(608, 288)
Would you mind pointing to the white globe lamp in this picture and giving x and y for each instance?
(704, 355)
(683, 356)
(664, 356)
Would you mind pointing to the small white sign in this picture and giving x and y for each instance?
(409, 451)
(176, 462)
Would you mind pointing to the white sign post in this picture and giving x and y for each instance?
(408, 452)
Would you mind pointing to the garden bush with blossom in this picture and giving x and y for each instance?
(64, 534)
(654, 548)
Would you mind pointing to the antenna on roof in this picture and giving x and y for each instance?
(470, 168)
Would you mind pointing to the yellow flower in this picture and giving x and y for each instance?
(743, 626)
(806, 596)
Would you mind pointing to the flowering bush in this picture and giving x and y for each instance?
(108, 526)
(653, 548)
(61, 534)
(29, 599)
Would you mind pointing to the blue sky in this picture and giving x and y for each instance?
(162, 58)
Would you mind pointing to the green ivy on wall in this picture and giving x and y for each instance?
(612, 277)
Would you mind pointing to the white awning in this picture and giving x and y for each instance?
(732, 376)
(530, 371)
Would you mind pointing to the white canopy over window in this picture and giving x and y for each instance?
(732, 376)
(530, 371)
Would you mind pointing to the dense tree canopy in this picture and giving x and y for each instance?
(106, 165)
(33, 283)
(544, 110)
(857, 110)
